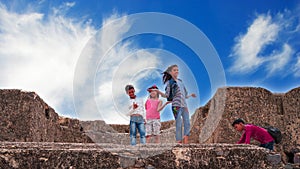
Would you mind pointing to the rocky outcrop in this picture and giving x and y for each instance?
(100, 132)
(25, 117)
(291, 124)
(212, 122)
(64, 155)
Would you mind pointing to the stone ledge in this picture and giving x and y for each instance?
(78, 155)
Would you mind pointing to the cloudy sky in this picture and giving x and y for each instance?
(79, 55)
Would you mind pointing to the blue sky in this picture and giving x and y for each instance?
(77, 56)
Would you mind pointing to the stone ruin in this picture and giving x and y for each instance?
(32, 135)
(25, 117)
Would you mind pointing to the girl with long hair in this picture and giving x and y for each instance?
(176, 92)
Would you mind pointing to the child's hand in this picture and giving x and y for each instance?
(193, 95)
(135, 106)
(168, 102)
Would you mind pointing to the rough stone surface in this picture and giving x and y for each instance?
(75, 155)
(98, 126)
(26, 117)
(166, 136)
(100, 132)
(212, 122)
(55, 155)
(122, 128)
(297, 158)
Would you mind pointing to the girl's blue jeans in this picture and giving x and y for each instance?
(182, 114)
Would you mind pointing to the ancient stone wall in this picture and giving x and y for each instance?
(26, 117)
(291, 124)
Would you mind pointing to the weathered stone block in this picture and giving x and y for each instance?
(26, 117)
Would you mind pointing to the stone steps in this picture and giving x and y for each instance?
(166, 136)
(80, 155)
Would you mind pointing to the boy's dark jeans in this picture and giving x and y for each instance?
(269, 145)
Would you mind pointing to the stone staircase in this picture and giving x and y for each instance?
(33, 155)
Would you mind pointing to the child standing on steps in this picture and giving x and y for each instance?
(136, 113)
(153, 107)
(176, 92)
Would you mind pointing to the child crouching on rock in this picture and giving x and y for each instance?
(251, 131)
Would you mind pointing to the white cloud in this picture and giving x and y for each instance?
(280, 59)
(39, 54)
(269, 44)
(248, 47)
(296, 68)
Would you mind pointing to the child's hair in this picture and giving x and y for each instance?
(153, 87)
(128, 87)
(238, 121)
(166, 74)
